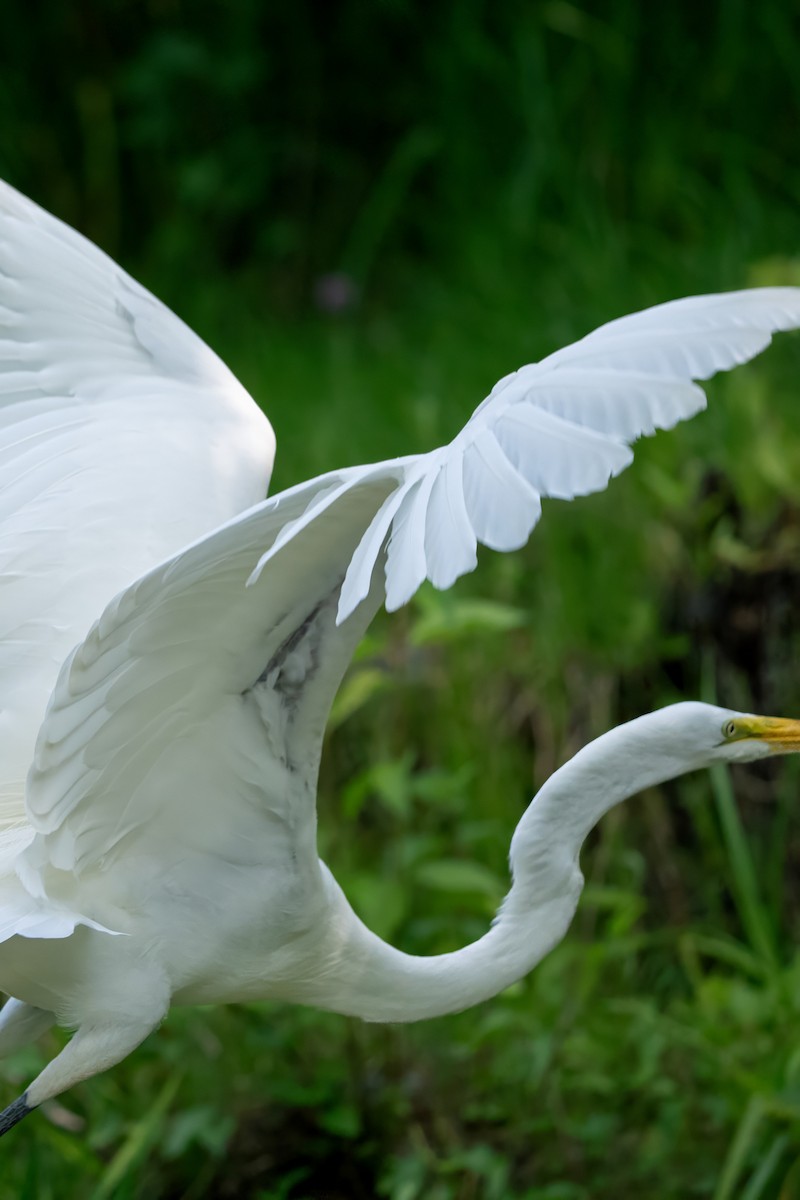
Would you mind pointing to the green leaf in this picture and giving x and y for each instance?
(456, 875)
(453, 620)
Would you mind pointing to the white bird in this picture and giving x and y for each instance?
(158, 768)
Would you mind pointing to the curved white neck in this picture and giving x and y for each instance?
(366, 977)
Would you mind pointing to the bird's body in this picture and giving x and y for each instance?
(172, 643)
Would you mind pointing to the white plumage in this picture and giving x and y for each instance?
(122, 438)
(163, 848)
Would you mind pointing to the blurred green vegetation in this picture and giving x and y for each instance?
(473, 184)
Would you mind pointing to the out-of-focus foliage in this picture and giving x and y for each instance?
(373, 211)
(288, 140)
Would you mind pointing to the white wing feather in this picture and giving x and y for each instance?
(122, 437)
(562, 427)
(189, 722)
(217, 669)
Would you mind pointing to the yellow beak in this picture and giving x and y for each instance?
(780, 733)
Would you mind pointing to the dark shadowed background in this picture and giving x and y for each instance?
(372, 211)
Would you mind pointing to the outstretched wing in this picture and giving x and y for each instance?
(190, 720)
(122, 437)
(201, 695)
(561, 427)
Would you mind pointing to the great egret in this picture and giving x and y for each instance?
(162, 848)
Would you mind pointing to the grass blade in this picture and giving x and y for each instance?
(143, 1134)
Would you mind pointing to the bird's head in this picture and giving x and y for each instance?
(723, 735)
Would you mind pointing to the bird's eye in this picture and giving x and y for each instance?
(729, 729)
